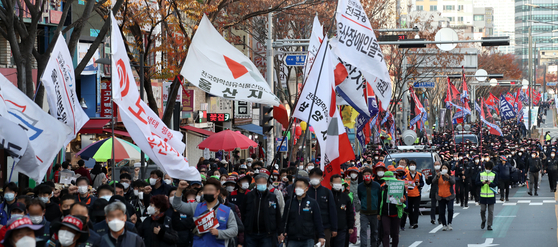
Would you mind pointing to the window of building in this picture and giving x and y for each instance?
(450, 18)
(449, 7)
(478, 17)
(433, 7)
(420, 7)
(460, 18)
(459, 7)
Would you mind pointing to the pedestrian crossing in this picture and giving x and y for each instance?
(522, 201)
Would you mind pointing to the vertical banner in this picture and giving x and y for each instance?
(106, 95)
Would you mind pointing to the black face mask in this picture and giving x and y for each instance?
(209, 198)
(65, 212)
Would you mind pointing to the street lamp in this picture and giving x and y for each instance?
(493, 82)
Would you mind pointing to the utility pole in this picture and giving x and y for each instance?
(530, 77)
(270, 150)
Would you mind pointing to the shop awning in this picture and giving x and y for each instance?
(252, 128)
(197, 130)
(118, 132)
(94, 126)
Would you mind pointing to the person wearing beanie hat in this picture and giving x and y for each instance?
(390, 213)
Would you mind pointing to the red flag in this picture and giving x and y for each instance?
(452, 93)
(490, 125)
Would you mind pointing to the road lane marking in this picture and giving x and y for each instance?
(549, 201)
(436, 229)
(536, 204)
(504, 216)
(524, 201)
(502, 224)
(455, 215)
(415, 244)
(510, 204)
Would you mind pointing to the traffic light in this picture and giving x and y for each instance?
(412, 45)
(504, 42)
(266, 119)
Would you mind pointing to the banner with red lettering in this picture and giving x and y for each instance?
(163, 145)
(206, 221)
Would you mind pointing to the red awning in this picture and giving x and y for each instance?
(94, 126)
(118, 132)
(197, 130)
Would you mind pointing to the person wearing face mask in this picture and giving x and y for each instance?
(534, 166)
(478, 168)
(239, 238)
(21, 232)
(52, 210)
(157, 229)
(256, 167)
(262, 215)
(445, 196)
(216, 236)
(182, 223)
(301, 221)
(36, 210)
(71, 232)
(504, 169)
(309, 167)
(126, 182)
(238, 196)
(83, 191)
(433, 191)
(230, 184)
(390, 213)
(415, 182)
(325, 200)
(168, 180)
(157, 183)
(489, 182)
(345, 211)
(368, 194)
(65, 203)
(118, 235)
(10, 195)
(105, 192)
(551, 168)
(101, 226)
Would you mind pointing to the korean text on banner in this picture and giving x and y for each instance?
(45, 134)
(163, 145)
(60, 85)
(356, 44)
(218, 68)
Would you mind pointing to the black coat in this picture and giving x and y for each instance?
(264, 213)
(303, 219)
(167, 236)
(345, 211)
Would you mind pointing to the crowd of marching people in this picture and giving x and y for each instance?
(244, 203)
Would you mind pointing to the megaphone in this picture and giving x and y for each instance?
(409, 137)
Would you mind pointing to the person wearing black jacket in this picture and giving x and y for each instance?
(459, 169)
(521, 165)
(551, 167)
(504, 170)
(156, 229)
(478, 167)
(301, 220)
(260, 224)
(533, 167)
(345, 211)
(324, 197)
(433, 192)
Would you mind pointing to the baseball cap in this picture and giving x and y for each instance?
(18, 223)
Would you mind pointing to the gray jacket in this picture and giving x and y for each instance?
(190, 208)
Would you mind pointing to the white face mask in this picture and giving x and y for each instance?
(533, 156)
(107, 197)
(198, 198)
(301, 167)
(126, 185)
(152, 181)
(412, 168)
(337, 187)
(488, 171)
(476, 161)
(444, 172)
(116, 225)
(380, 173)
(83, 189)
(26, 242)
(437, 167)
(136, 192)
(44, 199)
(314, 181)
(36, 219)
(223, 182)
(140, 195)
(168, 181)
(65, 237)
(171, 199)
(354, 175)
(299, 191)
(310, 168)
(151, 210)
(230, 188)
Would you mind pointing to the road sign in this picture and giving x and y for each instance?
(551, 84)
(424, 84)
(295, 60)
(282, 148)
